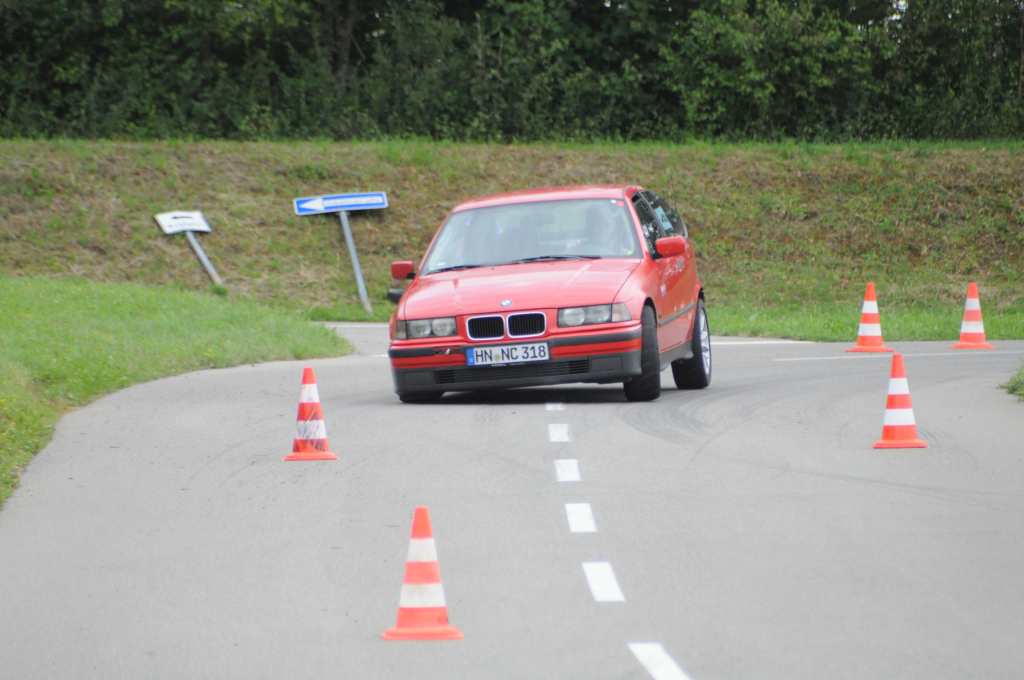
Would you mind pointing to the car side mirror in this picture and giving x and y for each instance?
(403, 269)
(671, 245)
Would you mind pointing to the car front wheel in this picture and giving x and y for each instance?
(647, 385)
(695, 373)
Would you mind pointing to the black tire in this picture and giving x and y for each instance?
(419, 397)
(647, 385)
(695, 373)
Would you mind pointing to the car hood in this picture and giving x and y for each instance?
(529, 286)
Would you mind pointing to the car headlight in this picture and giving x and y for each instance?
(578, 316)
(571, 316)
(425, 328)
(443, 327)
(418, 328)
(597, 314)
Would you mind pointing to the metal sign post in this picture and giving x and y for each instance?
(342, 204)
(351, 245)
(190, 222)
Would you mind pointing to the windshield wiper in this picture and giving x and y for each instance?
(538, 258)
(455, 267)
(542, 258)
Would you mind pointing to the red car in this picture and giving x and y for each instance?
(590, 284)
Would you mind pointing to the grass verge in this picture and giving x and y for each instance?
(831, 322)
(65, 342)
(1016, 384)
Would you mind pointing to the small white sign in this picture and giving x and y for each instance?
(182, 220)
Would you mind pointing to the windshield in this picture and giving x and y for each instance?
(507, 234)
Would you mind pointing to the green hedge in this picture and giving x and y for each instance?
(528, 69)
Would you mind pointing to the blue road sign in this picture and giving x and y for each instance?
(317, 205)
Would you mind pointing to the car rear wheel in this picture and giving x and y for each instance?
(419, 397)
(647, 385)
(695, 373)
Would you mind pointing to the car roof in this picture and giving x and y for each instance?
(565, 193)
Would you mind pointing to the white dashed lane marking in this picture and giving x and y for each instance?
(601, 580)
(600, 575)
(567, 470)
(581, 518)
(558, 432)
(656, 660)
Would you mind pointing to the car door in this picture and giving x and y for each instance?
(667, 297)
(670, 223)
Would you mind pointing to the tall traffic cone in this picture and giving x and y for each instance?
(972, 329)
(899, 431)
(311, 439)
(869, 333)
(422, 613)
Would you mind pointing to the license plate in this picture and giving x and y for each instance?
(507, 354)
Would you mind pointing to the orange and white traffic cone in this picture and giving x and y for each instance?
(972, 329)
(422, 612)
(311, 439)
(899, 431)
(869, 333)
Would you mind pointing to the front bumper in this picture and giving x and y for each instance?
(601, 357)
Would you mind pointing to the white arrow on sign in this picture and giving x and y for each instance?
(312, 205)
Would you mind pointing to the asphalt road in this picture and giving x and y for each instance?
(750, 528)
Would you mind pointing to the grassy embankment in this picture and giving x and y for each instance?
(65, 342)
(787, 234)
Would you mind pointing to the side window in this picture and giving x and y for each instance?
(668, 219)
(648, 221)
